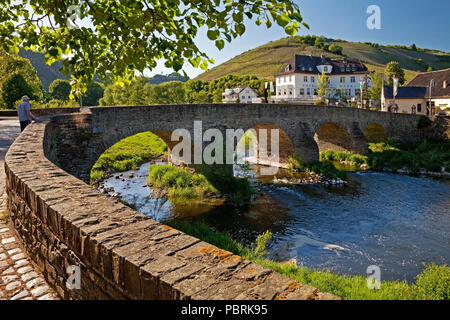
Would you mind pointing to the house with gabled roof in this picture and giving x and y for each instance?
(298, 80)
(241, 94)
(427, 93)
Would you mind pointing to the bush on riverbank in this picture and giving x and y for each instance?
(128, 154)
(433, 283)
(428, 156)
(322, 168)
(182, 184)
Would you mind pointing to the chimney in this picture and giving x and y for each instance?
(444, 84)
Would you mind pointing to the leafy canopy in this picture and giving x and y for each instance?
(123, 37)
(393, 69)
(60, 89)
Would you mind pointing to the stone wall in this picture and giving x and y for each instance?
(122, 254)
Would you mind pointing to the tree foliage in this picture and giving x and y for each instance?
(11, 65)
(93, 94)
(393, 69)
(60, 89)
(323, 84)
(140, 92)
(377, 83)
(122, 37)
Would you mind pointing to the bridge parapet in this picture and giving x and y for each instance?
(122, 254)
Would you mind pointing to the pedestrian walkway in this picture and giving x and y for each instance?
(20, 279)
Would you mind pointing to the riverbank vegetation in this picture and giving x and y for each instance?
(433, 283)
(432, 156)
(128, 154)
(184, 184)
(323, 168)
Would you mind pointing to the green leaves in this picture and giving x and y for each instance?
(129, 37)
(213, 34)
(220, 44)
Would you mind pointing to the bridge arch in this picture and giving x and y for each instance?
(375, 132)
(333, 136)
(263, 149)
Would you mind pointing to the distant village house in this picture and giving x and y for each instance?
(241, 94)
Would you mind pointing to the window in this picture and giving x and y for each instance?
(316, 92)
(249, 97)
(290, 78)
(419, 107)
(313, 79)
(302, 91)
(284, 91)
(347, 69)
(357, 92)
(305, 79)
(342, 79)
(279, 93)
(342, 69)
(284, 79)
(325, 68)
(352, 79)
(353, 68)
(348, 92)
(308, 91)
(290, 92)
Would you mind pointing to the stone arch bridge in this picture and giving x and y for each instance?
(304, 130)
(121, 253)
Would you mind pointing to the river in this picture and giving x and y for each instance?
(396, 222)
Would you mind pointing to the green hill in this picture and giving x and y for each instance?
(269, 59)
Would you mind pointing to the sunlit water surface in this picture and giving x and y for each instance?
(394, 221)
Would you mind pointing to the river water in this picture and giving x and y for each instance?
(394, 221)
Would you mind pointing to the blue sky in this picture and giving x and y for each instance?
(403, 22)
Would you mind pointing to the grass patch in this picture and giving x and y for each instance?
(433, 283)
(182, 184)
(322, 168)
(128, 154)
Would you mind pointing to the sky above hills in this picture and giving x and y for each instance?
(403, 22)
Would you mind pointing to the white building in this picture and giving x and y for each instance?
(241, 94)
(415, 96)
(298, 81)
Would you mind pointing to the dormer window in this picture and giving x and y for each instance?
(353, 68)
(347, 69)
(325, 68)
(303, 68)
(342, 69)
(310, 69)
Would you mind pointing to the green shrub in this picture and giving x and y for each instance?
(433, 283)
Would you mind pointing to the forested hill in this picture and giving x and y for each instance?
(267, 60)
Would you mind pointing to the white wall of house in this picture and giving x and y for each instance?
(405, 105)
(247, 95)
(303, 85)
(442, 103)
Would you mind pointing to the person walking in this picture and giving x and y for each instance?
(24, 113)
